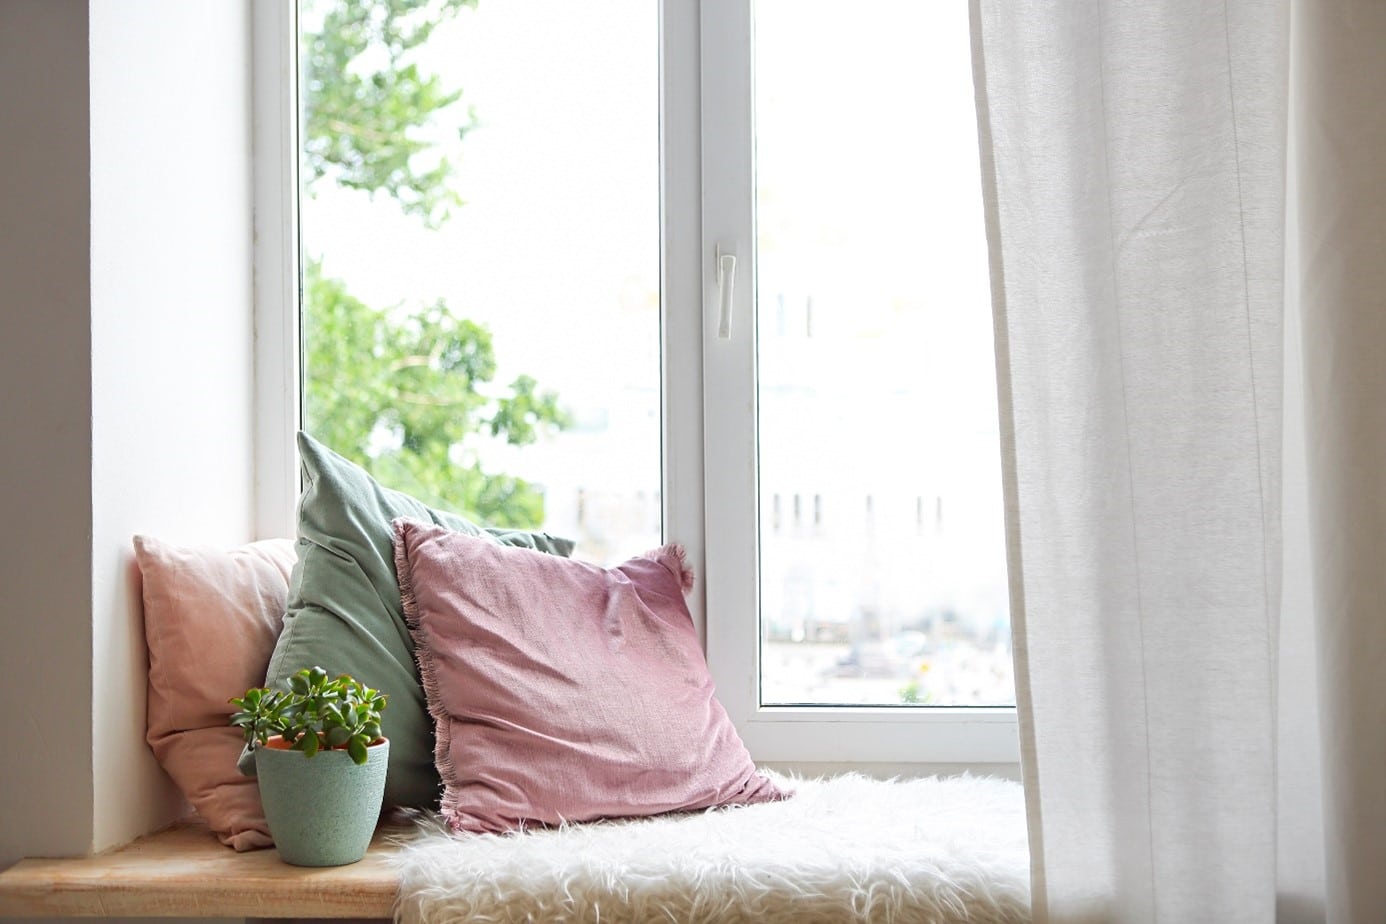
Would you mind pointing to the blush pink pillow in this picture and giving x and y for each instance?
(563, 691)
(211, 618)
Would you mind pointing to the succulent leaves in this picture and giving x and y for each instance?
(316, 712)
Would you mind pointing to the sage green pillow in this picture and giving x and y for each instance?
(344, 610)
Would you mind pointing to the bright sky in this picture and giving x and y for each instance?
(561, 225)
(868, 194)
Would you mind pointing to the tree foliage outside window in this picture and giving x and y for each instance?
(407, 395)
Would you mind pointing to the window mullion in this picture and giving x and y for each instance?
(729, 363)
(275, 40)
(681, 287)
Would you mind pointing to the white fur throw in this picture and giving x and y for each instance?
(846, 849)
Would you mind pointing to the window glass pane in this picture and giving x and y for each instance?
(480, 236)
(883, 574)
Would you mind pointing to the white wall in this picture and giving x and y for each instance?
(45, 433)
(172, 363)
(125, 378)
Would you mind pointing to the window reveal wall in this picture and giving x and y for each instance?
(128, 390)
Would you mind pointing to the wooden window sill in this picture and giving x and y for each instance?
(183, 871)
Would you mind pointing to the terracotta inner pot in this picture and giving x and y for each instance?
(277, 743)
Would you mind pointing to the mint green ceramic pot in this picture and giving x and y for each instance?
(321, 810)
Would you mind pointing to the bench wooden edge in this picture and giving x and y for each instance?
(184, 871)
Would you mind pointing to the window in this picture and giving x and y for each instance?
(840, 169)
(537, 334)
(481, 280)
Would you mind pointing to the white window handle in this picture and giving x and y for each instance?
(726, 283)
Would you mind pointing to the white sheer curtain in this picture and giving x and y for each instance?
(1160, 509)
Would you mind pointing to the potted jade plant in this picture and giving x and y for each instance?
(320, 760)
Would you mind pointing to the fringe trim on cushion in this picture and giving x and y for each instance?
(423, 654)
(675, 558)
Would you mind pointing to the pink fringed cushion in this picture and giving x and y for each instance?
(563, 691)
(211, 618)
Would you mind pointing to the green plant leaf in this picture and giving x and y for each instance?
(316, 712)
(357, 749)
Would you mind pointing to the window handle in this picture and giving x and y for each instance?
(726, 283)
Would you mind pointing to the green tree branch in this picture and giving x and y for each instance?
(407, 396)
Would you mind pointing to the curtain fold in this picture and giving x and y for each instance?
(1135, 166)
(1340, 135)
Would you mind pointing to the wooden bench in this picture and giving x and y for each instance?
(904, 848)
(183, 871)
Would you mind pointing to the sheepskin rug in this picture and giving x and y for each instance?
(843, 849)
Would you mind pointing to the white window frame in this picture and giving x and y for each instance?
(927, 735)
(274, 55)
(709, 410)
